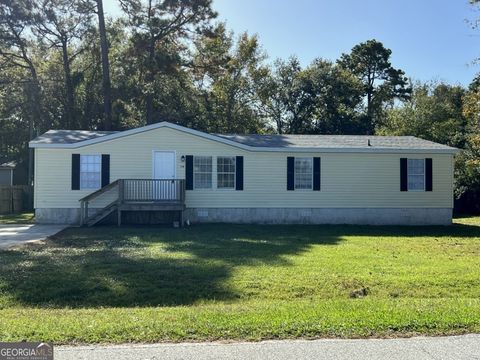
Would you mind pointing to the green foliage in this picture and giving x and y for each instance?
(228, 75)
(322, 98)
(337, 95)
(212, 282)
(434, 112)
(467, 175)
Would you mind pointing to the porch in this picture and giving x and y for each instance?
(133, 195)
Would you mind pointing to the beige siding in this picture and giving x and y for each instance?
(347, 179)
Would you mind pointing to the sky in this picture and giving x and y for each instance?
(429, 39)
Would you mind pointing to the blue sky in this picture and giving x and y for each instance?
(430, 39)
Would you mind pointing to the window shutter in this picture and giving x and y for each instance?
(290, 173)
(239, 173)
(428, 174)
(403, 174)
(189, 172)
(75, 171)
(105, 169)
(316, 173)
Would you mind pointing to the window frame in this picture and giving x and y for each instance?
(409, 174)
(82, 182)
(296, 172)
(195, 172)
(228, 173)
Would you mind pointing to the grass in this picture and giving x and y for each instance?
(217, 282)
(23, 218)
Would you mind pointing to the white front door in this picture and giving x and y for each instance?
(164, 168)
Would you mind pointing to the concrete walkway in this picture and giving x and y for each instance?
(466, 347)
(11, 235)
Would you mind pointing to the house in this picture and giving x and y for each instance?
(83, 176)
(6, 173)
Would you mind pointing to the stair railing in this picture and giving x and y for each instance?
(87, 200)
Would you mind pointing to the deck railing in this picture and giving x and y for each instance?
(153, 190)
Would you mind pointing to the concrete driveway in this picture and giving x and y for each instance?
(465, 347)
(12, 235)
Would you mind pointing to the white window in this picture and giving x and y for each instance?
(303, 173)
(226, 172)
(90, 171)
(416, 174)
(202, 172)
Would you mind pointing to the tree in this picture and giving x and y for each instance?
(61, 24)
(227, 76)
(322, 98)
(107, 92)
(16, 52)
(287, 100)
(159, 25)
(370, 62)
(337, 99)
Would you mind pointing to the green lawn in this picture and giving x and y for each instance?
(210, 282)
(23, 218)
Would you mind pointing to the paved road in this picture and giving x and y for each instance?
(466, 347)
(11, 235)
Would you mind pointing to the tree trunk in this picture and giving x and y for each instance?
(369, 112)
(149, 82)
(149, 76)
(36, 115)
(70, 104)
(107, 97)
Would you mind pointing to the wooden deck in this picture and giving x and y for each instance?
(135, 195)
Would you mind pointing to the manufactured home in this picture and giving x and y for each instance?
(83, 177)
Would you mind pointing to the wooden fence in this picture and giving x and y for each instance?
(16, 198)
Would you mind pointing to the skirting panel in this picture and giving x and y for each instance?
(366, 216)
(57, 216)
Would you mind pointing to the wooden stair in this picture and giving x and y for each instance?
(102, 214)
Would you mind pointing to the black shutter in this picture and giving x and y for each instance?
(105, 170)
(403, 174)
(428, 175)
(316, 174)
(290, 173)
(189, 172)
(75, 171)
(239, 173)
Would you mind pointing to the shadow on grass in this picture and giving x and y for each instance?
(155, 266)
(143, 266)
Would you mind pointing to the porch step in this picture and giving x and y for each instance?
(102, 214)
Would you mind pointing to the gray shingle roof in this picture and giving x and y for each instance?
(327, 142)
(69, 136)
(335, 141)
